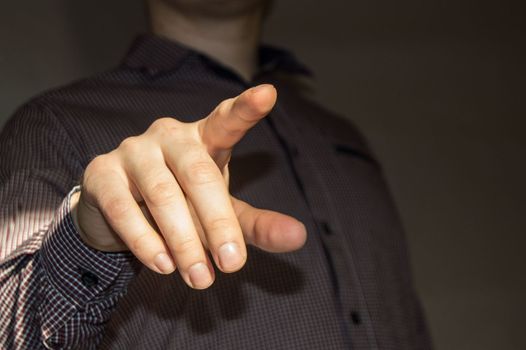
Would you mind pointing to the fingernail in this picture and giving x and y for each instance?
(164, 263)
(229, 256)
(200, 276)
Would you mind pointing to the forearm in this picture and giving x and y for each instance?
(57, 291)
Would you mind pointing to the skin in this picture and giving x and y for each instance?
(164, 194)
(228, 30)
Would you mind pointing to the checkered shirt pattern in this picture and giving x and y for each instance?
(349, 287)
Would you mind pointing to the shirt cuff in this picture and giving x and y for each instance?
(79, 273)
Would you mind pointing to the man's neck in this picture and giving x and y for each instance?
(231, 41)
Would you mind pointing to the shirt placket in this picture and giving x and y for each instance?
(310, 152)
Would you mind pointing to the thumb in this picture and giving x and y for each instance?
(269, 230)
(232, 118)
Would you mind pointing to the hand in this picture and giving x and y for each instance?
(164, 196)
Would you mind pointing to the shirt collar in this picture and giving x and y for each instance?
(156, 54)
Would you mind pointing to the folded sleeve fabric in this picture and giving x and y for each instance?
(57, 292)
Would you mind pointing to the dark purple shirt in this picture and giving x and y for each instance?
(349, 287)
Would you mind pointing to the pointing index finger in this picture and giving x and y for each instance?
(232, 118)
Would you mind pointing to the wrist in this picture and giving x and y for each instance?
(106, 243)
(74, 205)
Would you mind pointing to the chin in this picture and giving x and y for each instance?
(218, 8)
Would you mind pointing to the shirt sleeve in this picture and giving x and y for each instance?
(57, 292)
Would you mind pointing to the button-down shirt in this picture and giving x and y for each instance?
(349, 287)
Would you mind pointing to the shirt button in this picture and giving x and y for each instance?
(326, 228)
(89, 279)
(356, 318)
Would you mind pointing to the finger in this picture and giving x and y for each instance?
(232, 118)
(167, 205)
(196, 223)
(203, 183)
(269, 230)
(121, 211)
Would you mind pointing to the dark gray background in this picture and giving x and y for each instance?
(437, 87)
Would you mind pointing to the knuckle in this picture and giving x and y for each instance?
(129, 144)
(115, 207)
(95, 171)
(220, 225)
(137, 244)
(225, 106)
(172, 130)
(163, 123)
(165, 126)
(161, 194)
(97, 164)
(185, 246)
(201, 173)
